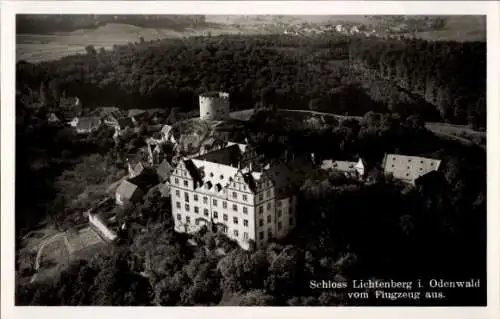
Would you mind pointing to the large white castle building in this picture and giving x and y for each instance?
(230, 191)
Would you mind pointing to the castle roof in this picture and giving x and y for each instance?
(409, 168)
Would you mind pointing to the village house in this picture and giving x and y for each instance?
(350, 169)
(128, 192)
(87, 125)
(166, 132)
(54, 118)
(123, 125)
(137, 115)
(97, 222)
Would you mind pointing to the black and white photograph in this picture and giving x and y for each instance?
(250, 160)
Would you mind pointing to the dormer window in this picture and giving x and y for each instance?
(221, 177)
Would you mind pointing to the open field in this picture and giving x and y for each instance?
(36, 48)
(57, 251)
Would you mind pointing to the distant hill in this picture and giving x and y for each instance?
(52, 23)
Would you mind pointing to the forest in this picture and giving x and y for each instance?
(346, 229)
(440, 81)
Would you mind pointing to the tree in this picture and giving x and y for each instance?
(90, 50)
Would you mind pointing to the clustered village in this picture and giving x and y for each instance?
(223, 185)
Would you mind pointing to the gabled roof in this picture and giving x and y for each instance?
(166, 129)
(345, 166)
(126, 190)
(136, 112)
(147, 179)
(125, 122)
(54, 117)
(409, 167)
(164, 170)
(139, 168)
(88, 123)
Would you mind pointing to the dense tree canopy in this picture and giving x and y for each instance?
(436, 80)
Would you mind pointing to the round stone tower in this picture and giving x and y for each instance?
(214, 105)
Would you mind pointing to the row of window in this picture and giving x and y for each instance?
(215, 216)
(197, 222)
(205, 198)
(269, 220)
(270, 230)
(409, 160)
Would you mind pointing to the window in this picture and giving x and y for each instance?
(409, 160)
(291, 221)
(186, 183)
(261, 209)
(279, 213)
(188, 219)
(176, 181)
(421, 162)
(224, 205)
(245, 210)
(224, 217)
(261, 235)
(216, 215)
(235, 207)
(269, 206)
(278, 203)
(205, 212)
(268, 218)
(245, 222)
(245, 197)
(432, 164)
(195, 197)
(196, 209)
(235, 220)
(268, 194)
(269, 232)
(177, 193)
(244, 188)
(279, 225)
(187, 207)
(235, 195)
(215, 202)
(205, 199)
(260, 196)
(178, 205)
(245, 235)
(261, 222)
(186, 197)
(235, 233)
(178, 216)
(197, 222)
